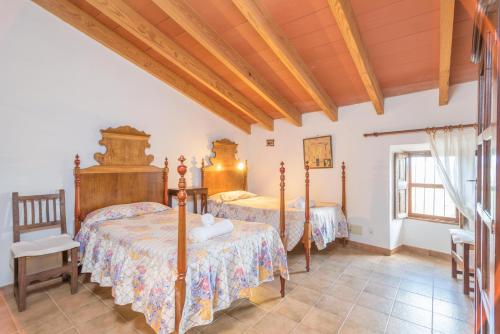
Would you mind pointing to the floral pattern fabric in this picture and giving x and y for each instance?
(137, 257)
(124, 211)
(327, 219)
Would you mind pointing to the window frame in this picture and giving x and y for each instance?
(420, 216)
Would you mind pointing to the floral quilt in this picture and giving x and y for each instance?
(327, 219)
(137, 257)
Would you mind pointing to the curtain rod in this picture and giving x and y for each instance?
(397, 132)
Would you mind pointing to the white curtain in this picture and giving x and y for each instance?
(453, 151)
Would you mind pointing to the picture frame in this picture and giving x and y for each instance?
(318, 152)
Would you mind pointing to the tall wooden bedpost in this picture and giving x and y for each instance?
(344, 209)
(165, 182)
(180, 283)
(76, 174)
(202, 172)
(282, 219)
(343, 190)
(307, 224)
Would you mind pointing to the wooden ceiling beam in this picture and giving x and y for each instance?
(80, 20)
(446, 17)
(189, 20)
(139, 27)
(349, 30)
(287, 54)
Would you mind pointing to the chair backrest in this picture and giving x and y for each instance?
(36, 212)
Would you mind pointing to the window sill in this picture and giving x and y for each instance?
(433, 220)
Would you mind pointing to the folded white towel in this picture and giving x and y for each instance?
(300, 203)
(200, 234)
(208, 219)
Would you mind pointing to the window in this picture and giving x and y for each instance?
(419, 191)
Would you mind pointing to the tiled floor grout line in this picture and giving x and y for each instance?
(102, 301)
(355, 301)
(317, 301)
(63, 313)
(393, 304)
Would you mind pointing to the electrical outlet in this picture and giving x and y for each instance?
(356, 229)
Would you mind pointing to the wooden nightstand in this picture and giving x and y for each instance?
(195, 192)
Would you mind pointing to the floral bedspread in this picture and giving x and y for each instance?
(137, 257)
(327, 219)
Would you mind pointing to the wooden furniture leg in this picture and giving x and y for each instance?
(453, 261)
(204, 199)
(64, 263)
(16, 277)
(21, 293)
(195, 202)
(74, 270)
(466, 271)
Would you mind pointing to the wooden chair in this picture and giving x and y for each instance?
(34, 219)
(466, 239)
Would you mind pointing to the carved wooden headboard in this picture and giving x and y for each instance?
(124, 174)
(226, 172)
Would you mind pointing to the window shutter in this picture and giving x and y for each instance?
(401, 175)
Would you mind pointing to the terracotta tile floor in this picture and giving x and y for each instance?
(347, 291)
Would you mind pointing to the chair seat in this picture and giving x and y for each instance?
(43, 246)
(460, 236)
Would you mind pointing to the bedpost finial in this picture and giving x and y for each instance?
(307, 166)
(77, 161)
(282, 168)
(182, 169)
(166, 162)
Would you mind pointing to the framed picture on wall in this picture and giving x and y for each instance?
(318, 152)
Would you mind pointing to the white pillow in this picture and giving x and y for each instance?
(300, 203)
(124, 211)
(230, 196)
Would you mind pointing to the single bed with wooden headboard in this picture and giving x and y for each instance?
(124, 174)
(146, 256)
(322, 224)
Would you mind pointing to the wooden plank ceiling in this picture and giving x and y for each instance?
(253, 61)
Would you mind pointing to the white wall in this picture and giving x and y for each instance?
(58, 88)
(367, 160)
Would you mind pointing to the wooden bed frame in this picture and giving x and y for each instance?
(227, 173)
(124, 175)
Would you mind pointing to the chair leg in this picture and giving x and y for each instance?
(453, 262)
(21, 284)
(74, 270)
(16, 278)
(466, 269)
(65, 277)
